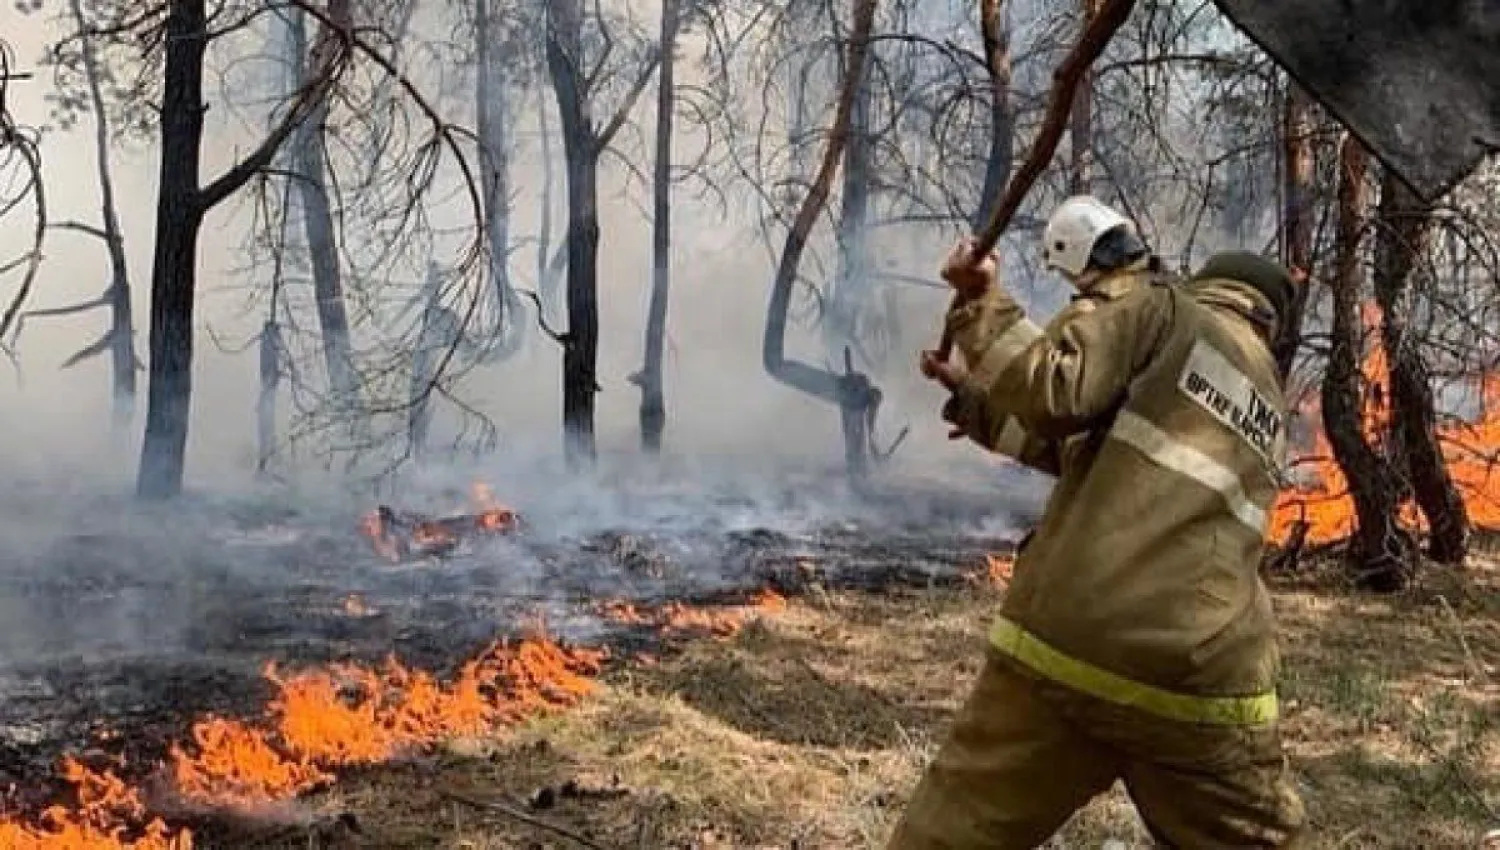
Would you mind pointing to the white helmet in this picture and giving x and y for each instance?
(1073, 229)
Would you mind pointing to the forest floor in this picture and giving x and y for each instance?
(810, 726)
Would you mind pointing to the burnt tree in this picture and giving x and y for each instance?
(850, 292)
(856, 396)
(1298, 166)
(492, 108)
(583, 142)
(309, 153)
(1405, 231)
(1081, 122)
(182, 204)
(652, 383)
(1381, 551)
(995, 31)
(119, 339)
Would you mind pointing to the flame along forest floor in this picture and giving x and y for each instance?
(808, 727)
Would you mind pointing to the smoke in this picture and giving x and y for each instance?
(246, 569)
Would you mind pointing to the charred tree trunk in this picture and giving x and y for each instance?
(1406, 225)
(582, 145)
(438, 331)
(996, 31)
(181, 205)
(123, 362)
(1081, 125)
(581, 342)
(179, 216)
(1298, 168)
(653, 415)
(850, 291)
(309, 154)
(1381, 551)
(548, 266)
(493, 108)
(856, 397)
(270, 380)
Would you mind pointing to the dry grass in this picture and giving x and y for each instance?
(809, 728)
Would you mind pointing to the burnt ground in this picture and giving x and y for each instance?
(121, 626)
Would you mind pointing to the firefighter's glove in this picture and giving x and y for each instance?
(970, 279)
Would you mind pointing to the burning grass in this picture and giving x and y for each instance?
(679, 619)
(810, 728)
(320, 720)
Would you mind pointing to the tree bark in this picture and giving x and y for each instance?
(1298, 169)
(492, 103)
(1081, 125)
(439, 329)
(653, 413)
(856, 397)
(1406, 226)
(309, 153)
(580, 150)
(181, 205)
(997, 60)
(850, 293)
(548, 265)
(123, 361)
(270, 381)
(174, 263)
(1381, 551)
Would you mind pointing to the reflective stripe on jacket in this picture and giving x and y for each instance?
(1141, 583)
(1006, 436)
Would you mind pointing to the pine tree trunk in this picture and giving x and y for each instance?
(1298, 169)
(174, 264)
(1381, 551)
(581, 153)
(1406, 226)
(653, 414)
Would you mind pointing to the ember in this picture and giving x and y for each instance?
(401, 536)
(320, 720)
(680, 618)
(996, 572)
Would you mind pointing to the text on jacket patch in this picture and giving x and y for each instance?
(1211, 381)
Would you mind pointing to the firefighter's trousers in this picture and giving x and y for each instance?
(1025, 753)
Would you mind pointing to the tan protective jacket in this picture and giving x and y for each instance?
(1005, 435)
(1141, 583)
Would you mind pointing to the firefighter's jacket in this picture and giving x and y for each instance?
(1141, 583)
(1005, 435)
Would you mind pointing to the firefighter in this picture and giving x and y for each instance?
(1110, 260)
(1136, 641)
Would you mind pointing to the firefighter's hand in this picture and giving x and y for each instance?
(968, 278)
(948, 374)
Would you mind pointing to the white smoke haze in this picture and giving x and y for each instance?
(86, 569)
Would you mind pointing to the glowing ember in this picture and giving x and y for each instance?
(996, 572)
(354, 606)
(397, 537)
(1323, 503)
(679, 618)
(320, 720)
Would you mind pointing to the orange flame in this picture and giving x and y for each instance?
(680, 618)
(394, 540)
(321, 719)
(1325, 505)
(996, 573)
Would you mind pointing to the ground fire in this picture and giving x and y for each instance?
(682, 619)
(1319, 507)
(320, 720)
(400, 536)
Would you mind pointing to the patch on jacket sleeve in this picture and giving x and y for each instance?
(1214, 384)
